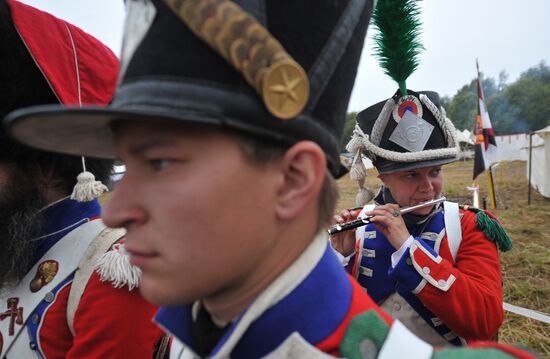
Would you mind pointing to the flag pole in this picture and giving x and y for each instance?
(484, 141)
(478, 124)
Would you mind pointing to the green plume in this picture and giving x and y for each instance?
(396, 43)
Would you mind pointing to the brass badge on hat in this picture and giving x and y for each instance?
(285, 87)
(45, 272)
(412, 132)
(239, 38)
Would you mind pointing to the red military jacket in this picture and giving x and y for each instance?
(470, 301)
(109, 323)
(459, 295)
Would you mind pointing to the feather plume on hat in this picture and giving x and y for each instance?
(396, 41)
(419, 135)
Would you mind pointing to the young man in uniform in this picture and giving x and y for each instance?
(228, 119)
(47, 309)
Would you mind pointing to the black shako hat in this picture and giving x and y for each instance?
(405, 132)
(279, 69)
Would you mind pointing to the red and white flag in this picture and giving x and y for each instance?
(486, 152)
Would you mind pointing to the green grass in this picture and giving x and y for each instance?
(526, 268)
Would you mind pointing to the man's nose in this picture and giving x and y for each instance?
(425, 184)
(123, 207)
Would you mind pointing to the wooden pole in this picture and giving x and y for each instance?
(491, 188)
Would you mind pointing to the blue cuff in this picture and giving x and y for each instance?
(407, 277)
(398, 254)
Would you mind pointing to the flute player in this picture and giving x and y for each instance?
(436, 269)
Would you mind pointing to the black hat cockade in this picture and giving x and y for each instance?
(277, 69)
(410, 130)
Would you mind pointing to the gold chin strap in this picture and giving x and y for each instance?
(240, 39)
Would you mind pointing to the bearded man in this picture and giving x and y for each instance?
(48, 308)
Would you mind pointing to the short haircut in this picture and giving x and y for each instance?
(260, 151)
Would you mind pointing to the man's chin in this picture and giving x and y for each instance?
(167, 295)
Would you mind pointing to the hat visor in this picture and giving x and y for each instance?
(83, 131)
(88, 131)
(391, 167)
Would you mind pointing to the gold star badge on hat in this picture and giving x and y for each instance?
(285, 89)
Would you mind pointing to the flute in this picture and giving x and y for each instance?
(337, 228)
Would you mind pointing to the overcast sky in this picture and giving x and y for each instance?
(503, 34)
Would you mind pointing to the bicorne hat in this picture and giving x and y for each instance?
(46, 60)
(277, 69)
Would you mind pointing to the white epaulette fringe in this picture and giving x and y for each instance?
(101, 243)
(114, 266)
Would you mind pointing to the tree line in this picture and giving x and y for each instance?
(521, 106)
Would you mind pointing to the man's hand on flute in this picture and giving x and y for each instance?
(344, 242)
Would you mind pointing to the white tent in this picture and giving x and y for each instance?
(466, 141)
(465, 136)
(513, 147)
(540, 169)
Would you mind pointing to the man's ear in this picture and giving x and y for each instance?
(303, 167)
